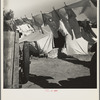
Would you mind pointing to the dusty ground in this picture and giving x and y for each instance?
(67, 72)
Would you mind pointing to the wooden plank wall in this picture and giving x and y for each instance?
(11, 60)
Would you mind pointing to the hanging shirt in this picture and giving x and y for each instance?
(75, 26)
(50, 21)
(55, 17)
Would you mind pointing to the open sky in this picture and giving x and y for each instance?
(26, 7)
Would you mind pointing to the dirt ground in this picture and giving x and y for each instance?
(65, 72)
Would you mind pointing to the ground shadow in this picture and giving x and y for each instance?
(42, 81)
(77, 61)
(80, 82)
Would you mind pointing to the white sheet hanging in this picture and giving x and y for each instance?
(75, 46)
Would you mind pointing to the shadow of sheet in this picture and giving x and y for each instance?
(80, 82)
(42, 81)
(77, 61)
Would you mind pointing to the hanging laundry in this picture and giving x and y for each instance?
(83, 3)
(62, 13)
(64, 18)
(19, 21)
(38, 20)
(73, 22)
(27, 21)
(62, 28)
(48, 20)
(87, 37)
(33, 24)
(70, 12)
(88, 29)
(75, 46)
(75, 26)
(55, 17)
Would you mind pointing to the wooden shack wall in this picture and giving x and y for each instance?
(11, 59)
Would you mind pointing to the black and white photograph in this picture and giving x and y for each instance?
(50, 44)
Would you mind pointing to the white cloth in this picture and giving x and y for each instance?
(75, 46)
(42, 42)
(25, 29)
(62, 28)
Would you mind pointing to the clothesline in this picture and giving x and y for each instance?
(77, 4)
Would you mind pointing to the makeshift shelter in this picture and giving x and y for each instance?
(39, 42)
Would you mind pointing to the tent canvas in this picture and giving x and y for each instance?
(40, 42)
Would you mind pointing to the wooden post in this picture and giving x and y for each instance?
(26, 60)
(8, 58)
(16, 62)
